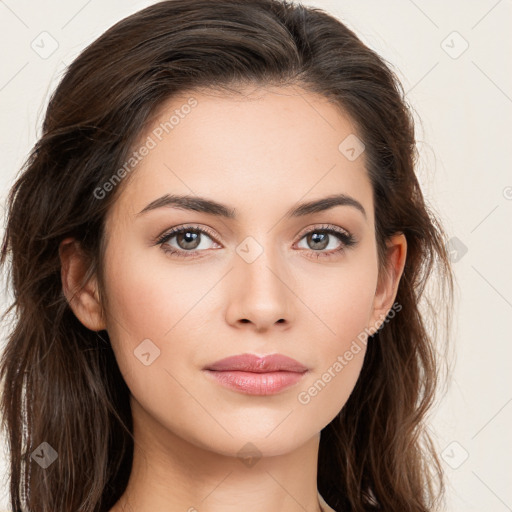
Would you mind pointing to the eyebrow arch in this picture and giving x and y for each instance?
(201, 204)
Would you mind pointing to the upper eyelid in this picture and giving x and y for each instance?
(324, 227)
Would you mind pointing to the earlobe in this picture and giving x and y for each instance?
(83, 297)
(389, 280)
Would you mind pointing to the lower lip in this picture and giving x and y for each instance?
(256, 383)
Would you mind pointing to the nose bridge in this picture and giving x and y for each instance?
(261, 264)
(261, 281)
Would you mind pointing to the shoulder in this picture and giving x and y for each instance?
(324, 505)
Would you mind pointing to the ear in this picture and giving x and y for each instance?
(387, 286)
(83, 298)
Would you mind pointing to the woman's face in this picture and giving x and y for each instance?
(260, 281)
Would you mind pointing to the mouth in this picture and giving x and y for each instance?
(268, 383)
(255, 375)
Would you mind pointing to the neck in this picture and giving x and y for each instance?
(171, 474)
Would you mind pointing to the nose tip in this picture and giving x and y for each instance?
(260, 296)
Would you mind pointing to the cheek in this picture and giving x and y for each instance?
(147, 302)
(325, 394)
(344, 309)
(340, 298)
(150, 296)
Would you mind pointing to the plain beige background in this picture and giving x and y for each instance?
(454, 59)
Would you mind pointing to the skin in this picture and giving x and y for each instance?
(260, 153)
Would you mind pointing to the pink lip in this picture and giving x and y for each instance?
(255, 375)
(258, 364)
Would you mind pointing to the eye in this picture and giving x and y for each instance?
(186, 240)
(327, 237)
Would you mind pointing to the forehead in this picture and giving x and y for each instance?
(260, 146)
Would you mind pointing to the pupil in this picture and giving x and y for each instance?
(189, 239)
(319, 239)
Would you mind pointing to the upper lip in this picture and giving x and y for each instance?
(258, 364)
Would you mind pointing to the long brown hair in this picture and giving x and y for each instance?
(61, 383)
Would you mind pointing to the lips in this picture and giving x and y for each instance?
(255, 375)
(257, 364)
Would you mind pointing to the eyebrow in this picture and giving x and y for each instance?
(202, 204)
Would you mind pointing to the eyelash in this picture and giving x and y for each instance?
(347, 240)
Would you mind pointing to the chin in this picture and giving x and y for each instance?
(255, 442)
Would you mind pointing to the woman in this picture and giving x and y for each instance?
(218, 249)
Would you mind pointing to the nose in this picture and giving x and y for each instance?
(260, 292)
